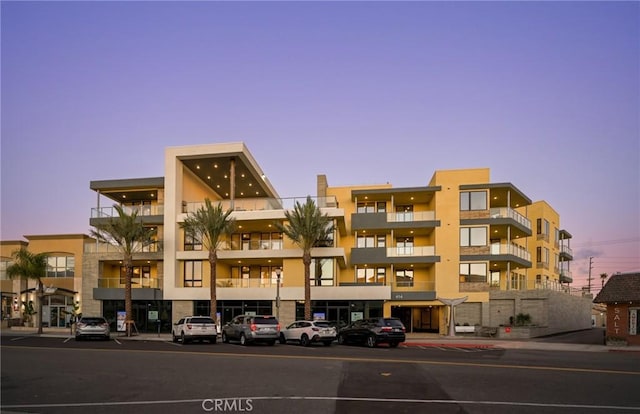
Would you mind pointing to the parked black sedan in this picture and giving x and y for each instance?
(373, 331)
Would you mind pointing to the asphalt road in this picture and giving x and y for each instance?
(55, 375)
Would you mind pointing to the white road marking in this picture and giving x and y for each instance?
(117, 342)
(310, 398)
(18, 338)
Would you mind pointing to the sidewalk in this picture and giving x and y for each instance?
(413, 340)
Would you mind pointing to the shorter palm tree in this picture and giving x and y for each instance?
(30, 266)
(130, 236)
(209, 224)
(306, 227)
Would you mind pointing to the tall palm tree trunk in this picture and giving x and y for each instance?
(213, 259)
(128, 307)
(40, 295)
(306, 260)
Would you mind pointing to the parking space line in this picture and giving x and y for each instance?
(117, 342)
(66, 340)
(18, 338)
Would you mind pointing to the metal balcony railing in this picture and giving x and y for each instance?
(512, 249)
(408, 216)
(255, 204)
(155, 247)
(415, 251)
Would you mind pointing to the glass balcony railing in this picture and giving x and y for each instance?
(408, 216)
(155, 247)
(252, 245)
(512, 249)
(415, 251)
(506, 212)
(255, 204)
(136, 283)
(422, 286)
(142, 210)
(566, 250)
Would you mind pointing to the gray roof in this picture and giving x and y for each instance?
(621, 287)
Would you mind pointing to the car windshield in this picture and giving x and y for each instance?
(265, 320)
(201, 320)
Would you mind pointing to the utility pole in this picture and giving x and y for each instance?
(590, 267)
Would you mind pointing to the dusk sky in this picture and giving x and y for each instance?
(545, 94)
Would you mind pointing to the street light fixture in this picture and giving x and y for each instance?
(278, 272)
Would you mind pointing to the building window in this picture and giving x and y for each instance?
(473, 236)
(542, 255)
(473, 272)
(322, 272)
(473, 200)
(367, 275)
(494, 279)
(365, 241)
(140, 275)
(404, 246)
(61, 266)
(366, 207)
(542, 229)
(404, 277)
(192, 242)
(3, 268)
(404, 213)
(381, 207)
(193, 273)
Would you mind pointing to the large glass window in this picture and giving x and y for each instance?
(473, 272)
(404, 246)
(3, 268)
(366, 207)
(542, 255)
(140, 276)
(371, 275)
(473, 200)
(193, 273)
(322, 272)
(192, 242)
(473, 236)
(404, 277)
(61, 266)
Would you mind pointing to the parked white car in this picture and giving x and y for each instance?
(307, 332)
(192, 328)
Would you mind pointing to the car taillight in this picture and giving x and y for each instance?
(253, 327)
(386, 329)
(81, 325)
(278, 328)
(315, 329)
(188, 326)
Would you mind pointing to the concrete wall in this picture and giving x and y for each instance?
(551, 312)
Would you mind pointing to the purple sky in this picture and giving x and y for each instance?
(546, 94)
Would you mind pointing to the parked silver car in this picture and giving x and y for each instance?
(307, 332)
(92, 327)
(252, 328)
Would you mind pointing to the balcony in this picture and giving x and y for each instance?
(148, 213)
(394, 255)
(413, 290)
(399, 220)
(566, 253)
(497, 252)
(566, 276)
(155, 247)
(136, 283)
(259, 204)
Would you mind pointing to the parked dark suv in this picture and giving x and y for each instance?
(252, 328)
(373, 331)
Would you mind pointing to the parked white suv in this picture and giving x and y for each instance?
(307, 332)
(192, 328)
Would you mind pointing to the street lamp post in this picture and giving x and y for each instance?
(278, 272)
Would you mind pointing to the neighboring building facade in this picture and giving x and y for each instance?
(393, 251)
(621, 295)
(62, 281)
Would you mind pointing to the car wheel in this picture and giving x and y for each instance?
(282, 339)
(243, 339)
(106, 337)
(225, 339)
(174, 338)
(271, 343)
(304, 340)
(342, 340)
(393, 344)
(371, 341)
(327, 343)
(184, 340)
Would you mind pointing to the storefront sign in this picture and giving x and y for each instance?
(120, 325)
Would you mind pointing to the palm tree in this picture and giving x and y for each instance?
(130, 236)
(209, 224)
(306, 227)
(33, 266)
(603, 277)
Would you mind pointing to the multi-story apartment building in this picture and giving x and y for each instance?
(393, 251)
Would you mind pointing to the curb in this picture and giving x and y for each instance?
(450, 345)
